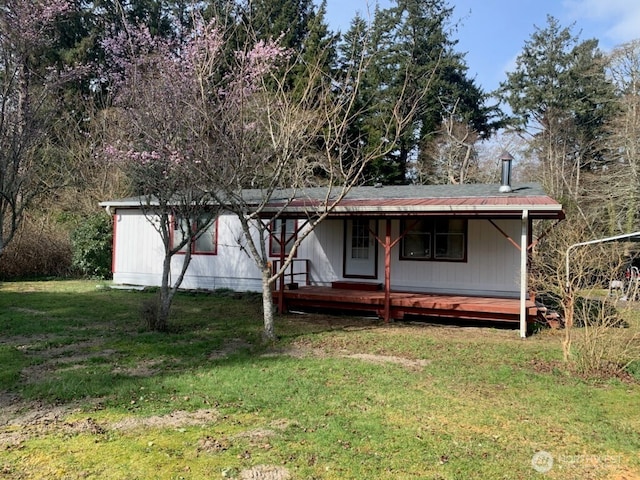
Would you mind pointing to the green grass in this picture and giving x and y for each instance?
(88, 393)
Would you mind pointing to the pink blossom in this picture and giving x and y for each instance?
(32, 18)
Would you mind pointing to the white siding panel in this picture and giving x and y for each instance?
(138, 250)
(324, 248)
(232, 267)
(139, 253)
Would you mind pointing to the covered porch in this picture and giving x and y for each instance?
(466, 255)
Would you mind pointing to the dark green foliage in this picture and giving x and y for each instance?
(559, 90)
(634, 369)
(288, 19)
(91, 242)
(413, 58)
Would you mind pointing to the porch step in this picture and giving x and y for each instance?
(352, 285)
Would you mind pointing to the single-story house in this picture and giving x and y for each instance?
(458, 251)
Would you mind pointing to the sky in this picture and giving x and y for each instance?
(492, 32)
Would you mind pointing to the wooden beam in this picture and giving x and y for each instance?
(513, 242)
(283, 233)
(387, 271)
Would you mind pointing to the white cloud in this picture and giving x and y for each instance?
(617, 19)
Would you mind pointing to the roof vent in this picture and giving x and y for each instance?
(506, 160)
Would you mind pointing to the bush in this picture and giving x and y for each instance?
(594, 312)
(40, 248)
(149, 312)
(91, 242)
(634, 369)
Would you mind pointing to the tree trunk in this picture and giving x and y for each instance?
(268, 334)
(165, 298)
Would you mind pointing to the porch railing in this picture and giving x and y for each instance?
(296, 273)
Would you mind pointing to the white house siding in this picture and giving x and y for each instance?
(232, 267)
(492, 266)
(137, 255)
(324, 249)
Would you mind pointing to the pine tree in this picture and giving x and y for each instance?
(560, 95)
(415, 59)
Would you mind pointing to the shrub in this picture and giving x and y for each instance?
(40, 248)
(149, 312)
(91, 242)
(595, 312)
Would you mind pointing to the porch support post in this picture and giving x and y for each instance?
(524, 272)
(387, 272)
(283, 232)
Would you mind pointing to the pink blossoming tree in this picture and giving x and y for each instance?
(158, 138)
(235, 122)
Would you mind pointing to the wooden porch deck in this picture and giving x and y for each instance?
(408, 303)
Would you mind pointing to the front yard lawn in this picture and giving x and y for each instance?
(86, 392)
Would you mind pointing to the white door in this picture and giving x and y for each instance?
(360, 248)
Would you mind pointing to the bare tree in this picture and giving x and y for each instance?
(453, 158)
(281, 140)
(600, 335)
(26, 94)
(624, 136)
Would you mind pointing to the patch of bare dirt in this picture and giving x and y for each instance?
(66, 356)
(33, 420)
(30, 311)
(20, 420)
(259, 435)
(212, 445)
(265, 472)
(302, 351)
(80, 350)
(24, 343)
(230, 347)
(144, 369)
(177, 419)
(297, 351)
(381, 359)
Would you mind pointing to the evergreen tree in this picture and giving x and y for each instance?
(286, 20)
(357, 50)
(415, 59)
(320, 44)
(560, 95)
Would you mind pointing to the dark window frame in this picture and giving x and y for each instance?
(432, 232)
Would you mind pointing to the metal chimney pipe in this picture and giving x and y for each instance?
(506, 160)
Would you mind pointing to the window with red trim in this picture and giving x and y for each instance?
(205, 243)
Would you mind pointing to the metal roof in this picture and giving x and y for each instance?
(399, 200)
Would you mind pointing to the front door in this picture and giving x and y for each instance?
(360, 249)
